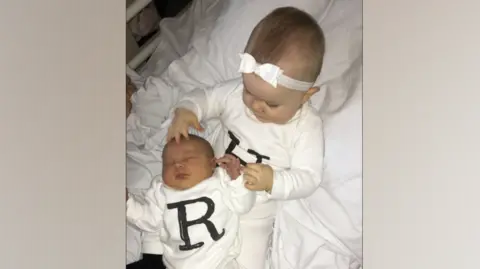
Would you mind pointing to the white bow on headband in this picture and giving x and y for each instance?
(271, 74)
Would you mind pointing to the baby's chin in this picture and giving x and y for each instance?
(175, 185)
(181, 183)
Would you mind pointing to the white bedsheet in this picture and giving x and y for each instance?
(336, 209)
(181, 33)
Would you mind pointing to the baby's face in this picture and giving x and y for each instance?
(270, 104)
(186, 164)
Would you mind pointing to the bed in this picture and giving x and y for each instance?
(186, 54)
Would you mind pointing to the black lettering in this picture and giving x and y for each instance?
(259, 156)
(184, 223)
(235, 142)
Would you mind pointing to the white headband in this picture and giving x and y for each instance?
(271, 74)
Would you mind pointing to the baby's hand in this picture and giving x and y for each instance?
(258, 177)
(231, 164)
(182, 120)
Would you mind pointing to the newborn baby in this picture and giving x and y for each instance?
(195, 208)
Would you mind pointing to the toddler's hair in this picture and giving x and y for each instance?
(285, 32)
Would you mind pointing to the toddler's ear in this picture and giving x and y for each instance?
(310, 93)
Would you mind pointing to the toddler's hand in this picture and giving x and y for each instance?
(182, 120)
(231, 164)
(258, 177)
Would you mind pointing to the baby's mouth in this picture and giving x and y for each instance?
(181, 176)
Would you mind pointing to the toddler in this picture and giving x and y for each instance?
(267, 121)
(195, 208)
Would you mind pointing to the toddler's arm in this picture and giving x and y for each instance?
(305, 173)
(147, 215)
(236, 196)
(207, 103)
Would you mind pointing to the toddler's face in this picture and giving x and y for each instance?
(270, 104)
(186, 164)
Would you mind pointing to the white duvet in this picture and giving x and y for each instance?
(331, 235)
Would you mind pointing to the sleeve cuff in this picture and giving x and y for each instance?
(278, 187)
(190, 105)
(229, 183)
(152, 244)
(238, 182)
(132, 211)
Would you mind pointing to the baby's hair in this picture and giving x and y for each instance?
(207, 147)
(285, 32)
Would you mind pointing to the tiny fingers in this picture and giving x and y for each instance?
(223, 160)
(251, 187)
(254, 167)
(250, 179)
(185, 133)
(230, 157)
(198, 126)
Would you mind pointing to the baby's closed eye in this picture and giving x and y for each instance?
(272, 105)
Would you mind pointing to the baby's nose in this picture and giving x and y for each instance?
(179, 164)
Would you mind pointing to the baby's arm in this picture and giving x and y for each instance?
(305, 173)
(207, 103)
(147, 215)
(239, 199)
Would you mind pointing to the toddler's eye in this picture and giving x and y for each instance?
(272, 105)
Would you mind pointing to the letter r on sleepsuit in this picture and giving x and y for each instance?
(183, 223)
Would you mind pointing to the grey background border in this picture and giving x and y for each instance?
(63, 134)
(421, 125)
(62, 154)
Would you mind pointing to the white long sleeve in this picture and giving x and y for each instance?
(210, 102)
(305, 174)
(236, 197)
(147, 215)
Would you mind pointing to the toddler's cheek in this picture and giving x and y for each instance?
(246, 100)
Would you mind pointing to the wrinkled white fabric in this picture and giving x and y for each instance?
(330, 235)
